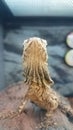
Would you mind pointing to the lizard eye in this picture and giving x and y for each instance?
(44, 42)
(25, 43)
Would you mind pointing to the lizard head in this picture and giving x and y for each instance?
(35, 63)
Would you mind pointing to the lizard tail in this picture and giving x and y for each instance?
(66, 109)
(8, 115)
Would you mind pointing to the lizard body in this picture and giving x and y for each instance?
(37, 77)
(35, 64)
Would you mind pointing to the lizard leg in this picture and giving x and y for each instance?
(21, 108)
(12, 114)
(49, 119)
(49, 114)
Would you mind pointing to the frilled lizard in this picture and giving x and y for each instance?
(37, 77)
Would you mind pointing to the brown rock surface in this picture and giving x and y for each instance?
(10, 99)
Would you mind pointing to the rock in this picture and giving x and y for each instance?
(10, 99)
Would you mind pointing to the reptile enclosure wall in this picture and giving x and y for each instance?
(13, 33)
